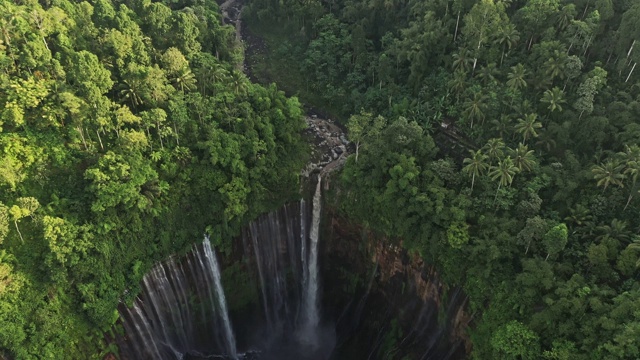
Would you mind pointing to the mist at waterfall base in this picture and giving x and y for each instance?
(182, 312)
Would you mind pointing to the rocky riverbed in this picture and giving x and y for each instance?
(330, 145)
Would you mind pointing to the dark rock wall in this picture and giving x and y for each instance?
(387, 304)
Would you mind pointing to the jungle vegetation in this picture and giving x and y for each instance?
(497, 139)
(127, 130)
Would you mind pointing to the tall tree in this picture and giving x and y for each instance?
(516, 78)
(528, 126)
(523, 158)
(630, 157)
(363, 126)
(503, 173)
(476, 165)
(475, 107)
(609, 173)
(507, 37)
(554, 98)
(484, 19)
(494, 149)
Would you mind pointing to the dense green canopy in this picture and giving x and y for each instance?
(509, 158)
(126, 131)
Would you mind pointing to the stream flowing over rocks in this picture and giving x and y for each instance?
(331, 147)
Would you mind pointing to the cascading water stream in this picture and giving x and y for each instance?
(162, 323)
(222, 302)
(310, 307)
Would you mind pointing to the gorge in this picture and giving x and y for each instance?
(182, 312)
(282, 249)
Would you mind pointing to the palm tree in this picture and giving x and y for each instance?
(555, 65)
(580, 215)
(494, 149)
(554, 98)
(528, 125)
(459, 82)
(502, 125)
(523, 107)
(523, 158)
(185, 80)
(617, 231)
(129, 90)
(631, 158)
(546, 141)
(565, 16)
(503, 173)
(462, 60)
(474, 108)
(517, 77)
(508, 37)
(635, 245)
(238, 82)
(608, 173)
(475, 165)
(488, 73)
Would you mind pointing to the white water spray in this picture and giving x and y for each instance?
(310, 304)
(215, 269)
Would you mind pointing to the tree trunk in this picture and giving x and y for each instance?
(455, 35)
(584, 13)
(149, 137)
(100, 140)
(630, 49)
(588, 43)
(159, 135)
(631, 72)
(175, 129)
(45, 43)
(473, 180)
(357, 149)
(19, 233)
(79, 128)
(496, 198)
(628, 201)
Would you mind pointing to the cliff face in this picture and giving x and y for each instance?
(387, 303)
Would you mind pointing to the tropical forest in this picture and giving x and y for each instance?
(320, 179)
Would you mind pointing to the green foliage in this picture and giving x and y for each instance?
(539, 101)
(125, 132)
(555, 239)
(458, 234)
(515, 341)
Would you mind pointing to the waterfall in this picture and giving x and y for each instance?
(181, 310)
(215, 269)
(285, 247)
(311, 287)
